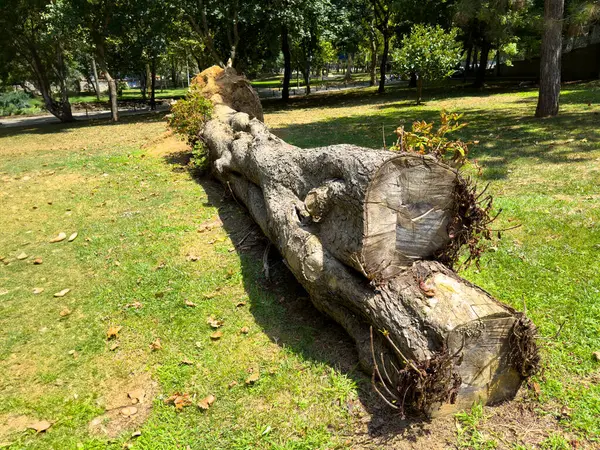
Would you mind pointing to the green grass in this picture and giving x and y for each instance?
(335, 80)
(129, 94)
(138, 216)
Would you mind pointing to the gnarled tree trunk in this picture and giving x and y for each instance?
(358, 228)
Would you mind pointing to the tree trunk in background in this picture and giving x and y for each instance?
(419, 89)
(112, 92)
(550, 60)
(144, 85)
(287, 63)
(354, 225)
(348, 76)
(96, 81)
(483, 62)
(383, 66)
(306, 75)
(112, 84)
(153, 85)
(373, 64)
(412, 82)
(468, 61)
(173, 72)
(60, 109)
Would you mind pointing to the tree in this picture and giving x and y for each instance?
(550, 59)
(33, 46)
(383, 13)
(488, 24)
(430, 53)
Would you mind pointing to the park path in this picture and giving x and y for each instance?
(46, 119)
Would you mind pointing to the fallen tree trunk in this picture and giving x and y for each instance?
(358, 229)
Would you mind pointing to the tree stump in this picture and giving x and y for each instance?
(359, 229)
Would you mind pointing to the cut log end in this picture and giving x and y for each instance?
(407, 211)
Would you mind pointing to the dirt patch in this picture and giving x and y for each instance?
(12, 423)
(127, 404)
(510, 424)
(165, 144)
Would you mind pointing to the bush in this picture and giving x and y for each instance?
(189, 115)
(199, 159)
(14, 103)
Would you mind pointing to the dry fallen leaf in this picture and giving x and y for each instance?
(136, 434)
(38, 261)
(137, 395)
(134, 305)
(211, 295)
(179, 400)
(232, 384)
(214, 323)
(22, 256)
(62, 293)
(187, 362)
(206, 402)
(61, 237)
(38, 290)
(190, 304)
(244, 330)
(156, 345)
(597, 356)
(253, 378)
(193, 258)
(129, 411)
(72, 237)
(114, 346)
(239, 304)
(536, 388)
(216, 335)
(65, 312)
(113, 332)
(40, 426)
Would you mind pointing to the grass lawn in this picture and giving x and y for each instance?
(159, 252)
(129, 94)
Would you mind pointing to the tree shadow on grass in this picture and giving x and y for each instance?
(284, 311)
(50, 128)
(504, 135)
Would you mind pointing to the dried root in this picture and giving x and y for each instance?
(419, 386)
(524, 355)
(469, 226)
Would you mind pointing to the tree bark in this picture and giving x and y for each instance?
(353, 224)
(483, 62)
(383, 66)
(60, 109)
(287, 63)
(468, 61)
(373, 63)
(96, 81)
(419, 89)
(348, 75)
(153, 84)
(112, 84)
(550, 60)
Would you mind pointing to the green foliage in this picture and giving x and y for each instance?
(189, 116)
(199, 159)
(425, 141)
(14, 103)
(429, 52)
